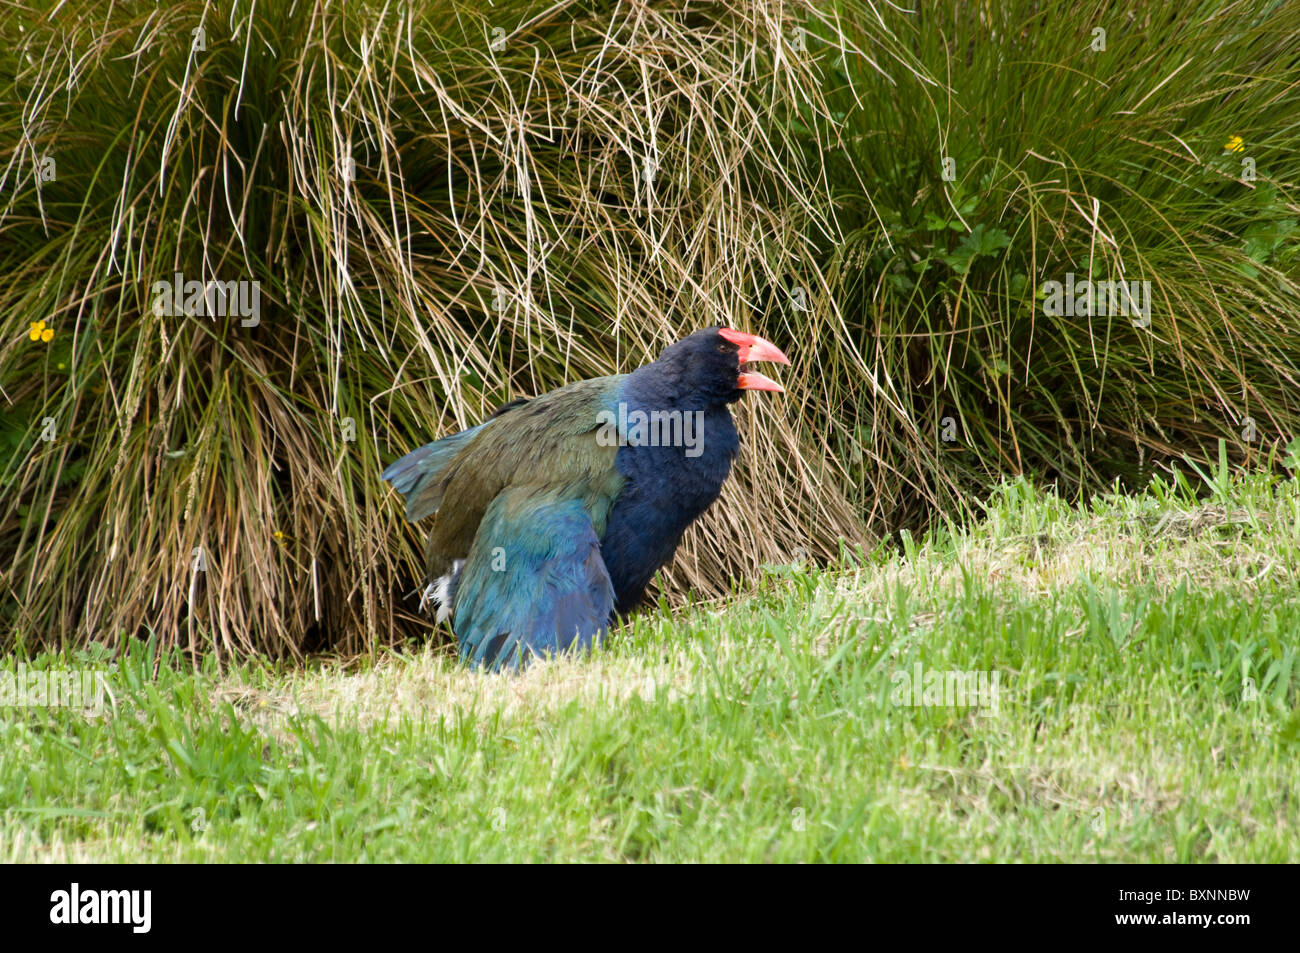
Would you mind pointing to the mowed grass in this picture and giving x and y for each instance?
(1145, 649)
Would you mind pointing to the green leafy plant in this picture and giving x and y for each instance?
(1025, 151)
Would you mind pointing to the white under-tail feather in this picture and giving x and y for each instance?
(439, 592)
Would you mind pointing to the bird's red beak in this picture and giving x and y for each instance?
(754, 348)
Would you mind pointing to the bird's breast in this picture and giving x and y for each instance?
(666, 487)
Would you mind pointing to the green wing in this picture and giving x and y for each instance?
(549, 443)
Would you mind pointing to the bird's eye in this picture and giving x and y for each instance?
(724, 347)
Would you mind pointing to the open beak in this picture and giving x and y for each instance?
(754, 348)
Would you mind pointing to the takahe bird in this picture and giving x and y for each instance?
(555, 513)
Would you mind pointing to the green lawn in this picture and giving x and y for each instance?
(1144, 654)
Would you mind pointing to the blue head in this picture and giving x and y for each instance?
(709, 369)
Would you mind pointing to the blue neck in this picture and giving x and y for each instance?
(682, 456)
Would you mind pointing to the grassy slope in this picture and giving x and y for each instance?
(1123, 633)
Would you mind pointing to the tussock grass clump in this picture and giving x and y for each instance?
(1109, 142)
(443, 206)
